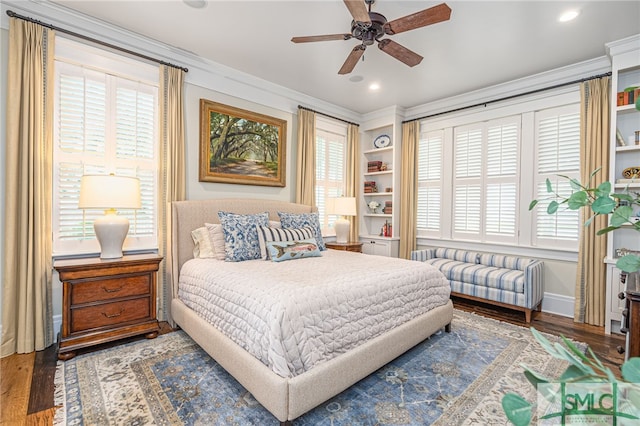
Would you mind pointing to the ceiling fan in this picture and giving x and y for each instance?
(370, 27)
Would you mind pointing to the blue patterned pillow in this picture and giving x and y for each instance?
(289, 250)
(300, 220)
(241, 235)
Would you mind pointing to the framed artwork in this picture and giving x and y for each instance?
(240, 146)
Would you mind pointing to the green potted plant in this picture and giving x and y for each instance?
(601, 200)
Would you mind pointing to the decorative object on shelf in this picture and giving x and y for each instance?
(383, 167)
(386, 230)
(373, 206)
(110, 192)
(637, 137)
(631, 173)
(382, 141)
(342, 206)
(619, 138)
(388, 189)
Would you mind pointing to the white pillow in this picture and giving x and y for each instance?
(217, 239)
(203, 248)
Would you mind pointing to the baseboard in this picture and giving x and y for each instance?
(57, 323)
(558, 304)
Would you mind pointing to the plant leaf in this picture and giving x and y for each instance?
(532, 204)
(549, 187)
(620, 216)
(595, 172)
(575, 184)
(603, 205)
(631, 370)
(517, 409)
(603, 189)
(552, 207)
(607, 229)
(629, 263)
(625, 197)
(577, 200)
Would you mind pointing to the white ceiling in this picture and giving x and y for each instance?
(483, 44)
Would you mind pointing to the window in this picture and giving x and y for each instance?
(476, 180)
(558, 153)
(331, 151)
(105, 121)
(430, 182)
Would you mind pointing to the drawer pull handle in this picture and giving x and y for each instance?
(113, 315)
(112, 290)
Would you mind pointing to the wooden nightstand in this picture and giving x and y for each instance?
(106, 299)
(354, 247)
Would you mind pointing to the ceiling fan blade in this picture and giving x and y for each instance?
(400, 52)
(352, 59)
(327, 37)
(358, 10)
(433, 15)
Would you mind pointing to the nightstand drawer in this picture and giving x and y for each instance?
(109, 289)
(109, 314)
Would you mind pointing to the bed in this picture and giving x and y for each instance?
(286, 386)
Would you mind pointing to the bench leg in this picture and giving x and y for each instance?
(527, 315)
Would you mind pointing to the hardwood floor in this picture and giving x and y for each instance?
(27, 381)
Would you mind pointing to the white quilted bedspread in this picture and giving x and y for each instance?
(296, 314)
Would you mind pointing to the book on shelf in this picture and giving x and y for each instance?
(370, 186)
(374, 166)
(627, 98)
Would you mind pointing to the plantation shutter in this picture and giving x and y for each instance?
(430, 182)
(331, 139)
(104, 123)
(558, 153)
(501, 191)
(467, 180)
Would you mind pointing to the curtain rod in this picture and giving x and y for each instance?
(531, 92)
(327, 115)
(93, 40)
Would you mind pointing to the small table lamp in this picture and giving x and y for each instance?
(343, 206)
(110, 192)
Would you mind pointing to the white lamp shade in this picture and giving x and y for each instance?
(109, 192)
(343, 206)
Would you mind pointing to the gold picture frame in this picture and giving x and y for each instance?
(240, 146)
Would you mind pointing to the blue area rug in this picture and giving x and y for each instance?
(450, 379)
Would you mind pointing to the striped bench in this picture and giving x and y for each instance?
(509, 281)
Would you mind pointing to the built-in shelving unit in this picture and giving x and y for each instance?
(379, 168)
(625, 153)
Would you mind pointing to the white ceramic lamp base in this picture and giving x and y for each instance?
(342, 230)
(111, 230)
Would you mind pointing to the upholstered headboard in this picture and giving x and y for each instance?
(192, 214)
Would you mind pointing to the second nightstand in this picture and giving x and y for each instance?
(105, 300)
(355, 247)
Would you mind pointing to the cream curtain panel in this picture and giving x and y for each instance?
(594, 153)
(352, 175)
(172, 173)
(26, 284)
(409, 188)
(306, 168)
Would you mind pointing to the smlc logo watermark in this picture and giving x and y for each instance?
(615, 404)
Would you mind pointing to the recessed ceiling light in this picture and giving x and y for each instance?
(374, 86)
(356, 78)
(569, 15)
(198, 4)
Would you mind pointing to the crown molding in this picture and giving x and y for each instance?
(202, 72)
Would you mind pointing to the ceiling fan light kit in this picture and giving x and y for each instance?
(370, 27)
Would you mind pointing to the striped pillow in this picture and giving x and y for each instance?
(269, 233)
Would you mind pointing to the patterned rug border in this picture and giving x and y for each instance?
(458, 411)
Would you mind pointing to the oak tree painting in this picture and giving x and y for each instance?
(241, 146)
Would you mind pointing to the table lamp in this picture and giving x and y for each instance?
(343, 206)
(110, 192)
